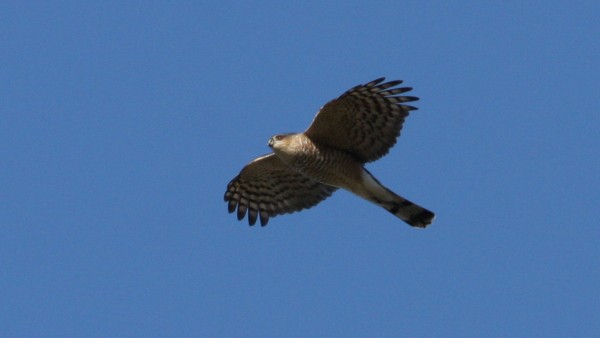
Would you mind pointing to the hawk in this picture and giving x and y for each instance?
(305, 168)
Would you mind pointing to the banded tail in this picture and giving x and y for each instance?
(402, 208)
(407, 211)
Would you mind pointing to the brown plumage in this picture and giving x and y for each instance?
(358, 127)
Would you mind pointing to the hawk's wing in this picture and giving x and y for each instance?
(267, 187)
(365, 120)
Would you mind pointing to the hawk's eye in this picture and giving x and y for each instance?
(279, 137)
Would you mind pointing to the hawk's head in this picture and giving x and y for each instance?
(280, 140)
(285, 143)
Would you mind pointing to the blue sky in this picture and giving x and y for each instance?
(122, 122)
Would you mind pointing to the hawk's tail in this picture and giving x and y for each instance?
(402, 208)
(409, 212)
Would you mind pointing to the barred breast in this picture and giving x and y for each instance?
(326, 165)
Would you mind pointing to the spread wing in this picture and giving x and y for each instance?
(365, 120)
(267, 187)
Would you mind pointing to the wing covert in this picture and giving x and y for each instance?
(267, 187)
(365, 121)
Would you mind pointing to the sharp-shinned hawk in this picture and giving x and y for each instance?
(305, 168)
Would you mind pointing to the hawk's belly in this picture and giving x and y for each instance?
(328, 166)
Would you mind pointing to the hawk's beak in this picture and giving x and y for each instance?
(270, 142)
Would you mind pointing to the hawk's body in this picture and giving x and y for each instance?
(305, 168)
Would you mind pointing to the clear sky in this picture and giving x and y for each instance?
(122, 122)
